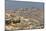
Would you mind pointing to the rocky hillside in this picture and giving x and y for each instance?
(24, 18)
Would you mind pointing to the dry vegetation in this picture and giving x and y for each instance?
(24, 18)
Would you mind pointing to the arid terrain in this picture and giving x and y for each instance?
(24, 19)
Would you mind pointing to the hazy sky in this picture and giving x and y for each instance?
(18, 4)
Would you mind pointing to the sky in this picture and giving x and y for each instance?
(21, 4)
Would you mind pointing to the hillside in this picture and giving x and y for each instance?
(24, 18)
